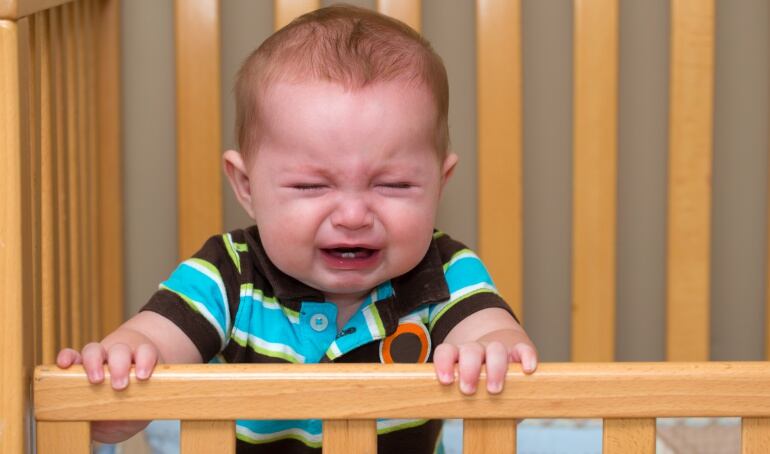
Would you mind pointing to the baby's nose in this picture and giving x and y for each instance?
(353, 213)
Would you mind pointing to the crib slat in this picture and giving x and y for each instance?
(594, 186)
(287, 10)
(58, 111)
(755, 435)
(73, 177)
(342, 436)
(689, 170)
(49, 324)
(199, 179)
(498, 29)
(489, 435)
(207, 436)
(629, 436)
(407, 11)
(71, 437)
(110, 165)
(12, 380)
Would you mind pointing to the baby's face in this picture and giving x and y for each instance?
(345, 185)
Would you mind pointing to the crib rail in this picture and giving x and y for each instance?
(207, 397)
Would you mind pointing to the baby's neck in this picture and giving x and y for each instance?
(347, 305)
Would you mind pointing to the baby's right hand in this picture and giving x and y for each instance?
(118, 358)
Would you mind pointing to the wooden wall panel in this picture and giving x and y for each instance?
(199, 136)
(595, 174)
(500, 176)
(407, 11)
(287, 10)
(690, 161)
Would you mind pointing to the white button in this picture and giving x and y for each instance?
(319, 322)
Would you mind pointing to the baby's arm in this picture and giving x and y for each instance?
(146, 339)
(490, 336)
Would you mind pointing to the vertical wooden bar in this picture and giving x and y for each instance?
(30, 167)
(500, 181)
(407, 11)
(49, 287)
(83, 188)
(595, 174)
(110, 182)
(198, 103)
(207, 436)
(629, 436)
(489, 435)
(286, 10)
(689, 176)
(92, 167)
(63, 437)
(12, 375)
(755, 435)
(73, 177)
(345, 436)
(59, 112)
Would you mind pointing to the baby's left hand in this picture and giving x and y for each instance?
(471, 355)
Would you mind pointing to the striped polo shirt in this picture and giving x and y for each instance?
(237, 307)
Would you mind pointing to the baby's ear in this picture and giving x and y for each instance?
(237, 173)
(448, 167)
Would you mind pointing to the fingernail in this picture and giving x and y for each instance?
(447, 378)
(466, 388)
(141, 374)
(494, 387)
(119, 383)
(531, 365)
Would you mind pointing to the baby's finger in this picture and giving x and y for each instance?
(497, 366)
(469, 365)
(68, 357)
(526, 355)
(145, 358)
(444, 360)
(93, 362)
(119, 362)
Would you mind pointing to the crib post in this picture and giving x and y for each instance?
(70, 437)
(629, 436)
(207, 436)
(755, 435)
(489, 435)
(342, 436)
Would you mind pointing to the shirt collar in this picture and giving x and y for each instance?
(423, 284)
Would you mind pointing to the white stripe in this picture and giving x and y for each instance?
(371, 322)
(459, 294)
(269, 303)
(462, 255)
(217, 280)
(303, 434)
(274, 347)
(335, 350)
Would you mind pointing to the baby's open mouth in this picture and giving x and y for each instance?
(350, 252)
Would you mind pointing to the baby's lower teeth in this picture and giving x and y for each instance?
(348, 255)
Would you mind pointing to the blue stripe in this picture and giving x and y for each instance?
(466, 271)
(197, 286)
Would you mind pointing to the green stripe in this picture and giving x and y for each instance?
(406, 425)
(438, 234)
(231, 252)
(209, 267)
(184, 297)
(377, 319)
(247, 439)
(461, 251)
(241, 247)
(263, 351)
(452, 304)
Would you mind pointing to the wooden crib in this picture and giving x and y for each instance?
(61, 242)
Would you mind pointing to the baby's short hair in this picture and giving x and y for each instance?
(343, 44)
